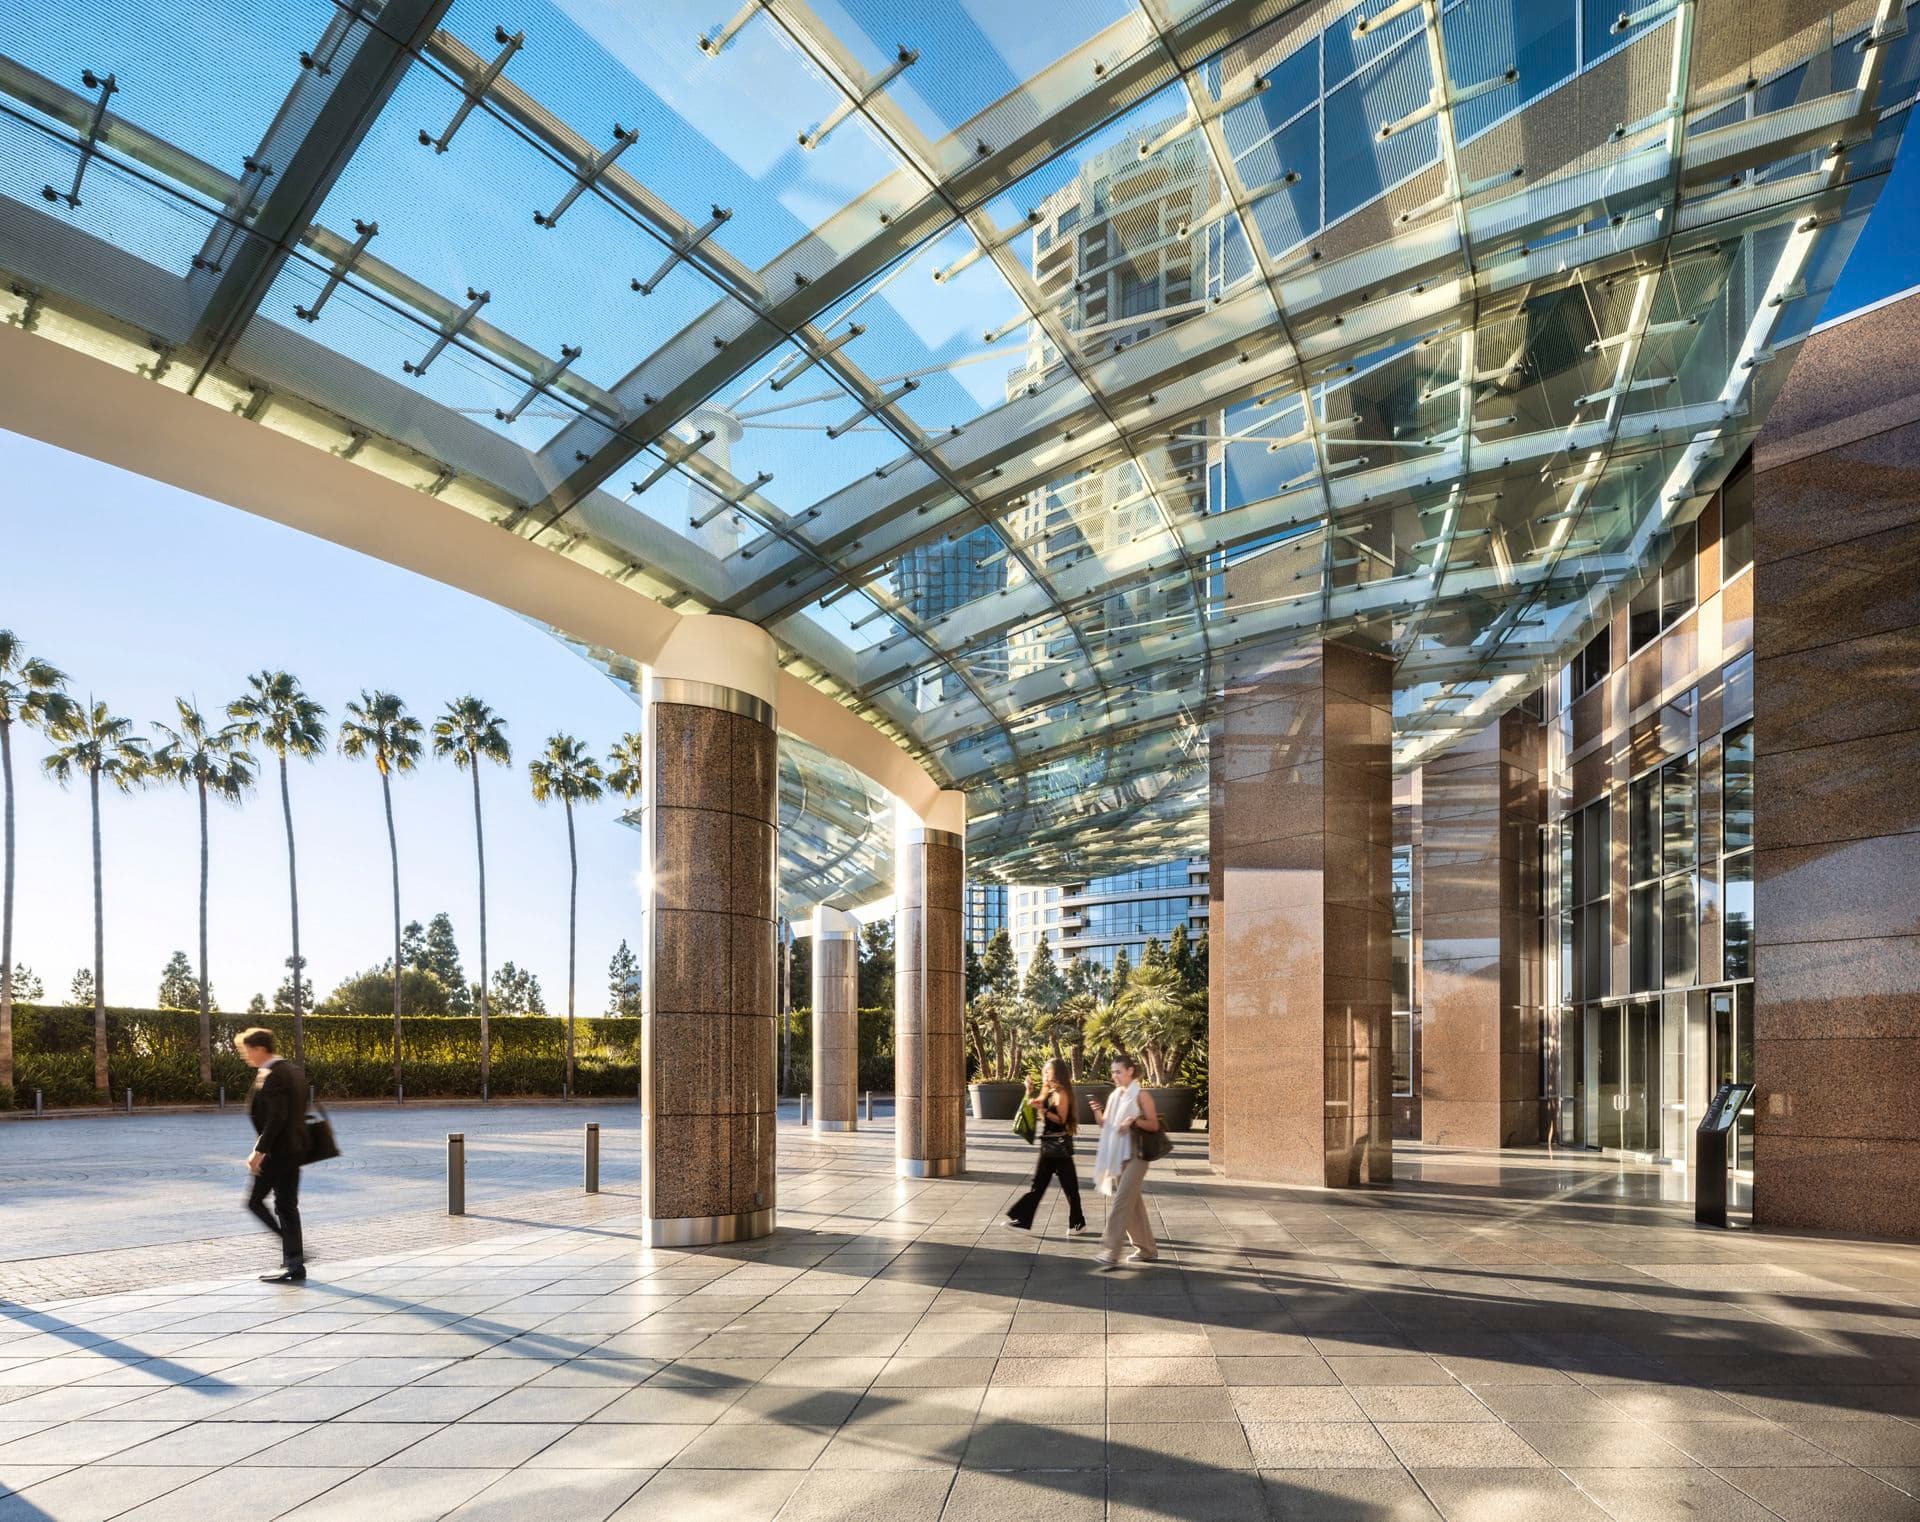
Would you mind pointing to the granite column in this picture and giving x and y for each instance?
(836, 1019)
(1480, 1019)
(930, 1063)
(708, 824)
(1302, 921)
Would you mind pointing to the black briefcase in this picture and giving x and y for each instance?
(321, 1145)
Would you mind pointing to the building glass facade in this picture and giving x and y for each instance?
(1648, 852)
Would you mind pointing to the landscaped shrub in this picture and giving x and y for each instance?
(876, 1051)
(156, 1053)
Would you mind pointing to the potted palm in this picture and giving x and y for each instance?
(1101, 1039)
(1159, 1021)
(996, 1023)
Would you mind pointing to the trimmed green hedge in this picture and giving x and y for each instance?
(876, 1052)
(156, 1053)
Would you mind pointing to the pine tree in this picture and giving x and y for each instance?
(431, 948)
(623, 982)
(284, 997)
(179, 988)
(516, 992)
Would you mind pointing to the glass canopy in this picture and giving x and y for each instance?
(970, 348)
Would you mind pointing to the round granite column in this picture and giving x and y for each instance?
(930, 1062)
(708, 822)
(836, 1020)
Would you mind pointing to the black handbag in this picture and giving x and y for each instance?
(321, 1145)
(1056, 1144)
(1151, 1146)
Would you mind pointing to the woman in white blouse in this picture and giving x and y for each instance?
(1118, 1169)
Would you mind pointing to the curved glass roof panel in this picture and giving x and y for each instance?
(1026, 370)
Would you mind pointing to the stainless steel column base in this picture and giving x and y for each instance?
(710, 1230)
(836, 1125)
(929, 1167)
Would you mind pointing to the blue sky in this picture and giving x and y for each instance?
(141, 592)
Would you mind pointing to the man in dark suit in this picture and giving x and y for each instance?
(277, 1106)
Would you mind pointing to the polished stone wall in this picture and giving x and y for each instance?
(1480, 1033)
(709, 1083)
(836, 1022)
(1837, 812)
(1300, 1068)
(930, 1063)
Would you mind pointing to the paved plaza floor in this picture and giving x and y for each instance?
(1498, 1336)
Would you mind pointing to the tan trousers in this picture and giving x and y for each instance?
(1127, 1213)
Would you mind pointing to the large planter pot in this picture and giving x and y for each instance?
(1084, 1095)
(996, 1101)
(1175, 1105)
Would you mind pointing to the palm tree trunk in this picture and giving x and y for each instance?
(206, 1018)
(99, 953)
(573, 889)
(6, 918)
(293, 899)
(393, 855)
(480, 849)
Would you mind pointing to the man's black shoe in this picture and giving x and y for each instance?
(285, 1276)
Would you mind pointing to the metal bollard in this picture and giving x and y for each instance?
(223, 1096)
(129, 1101)
(593, 1157)
(869, 1104)
(804, 1097)
(311, 1092)
(39, 1105)
(456, 1173)
(399, 1093)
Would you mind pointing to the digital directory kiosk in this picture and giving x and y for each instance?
(1711, 1139)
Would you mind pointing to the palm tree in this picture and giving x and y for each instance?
(378, 726)
(212, 763)
(277, 713)
(625, 766)
(467, 731)
(94, 742)
(30, 694)
(568, 773)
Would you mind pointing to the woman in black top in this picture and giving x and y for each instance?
(1057, 1125)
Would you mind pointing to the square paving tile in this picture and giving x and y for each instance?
(552, 1495)
(745, 1446)
(709, 1495)
(1319, 1445)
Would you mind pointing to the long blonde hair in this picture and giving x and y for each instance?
(1058, 1079)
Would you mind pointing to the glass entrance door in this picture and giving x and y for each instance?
(1630, 1065)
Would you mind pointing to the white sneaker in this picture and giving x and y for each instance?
(1077, 1231)
(1136, 1256)
(1105, 1261)
(1011, 1224)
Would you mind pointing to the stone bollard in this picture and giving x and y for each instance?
(456, 1173)
(593, 1157)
